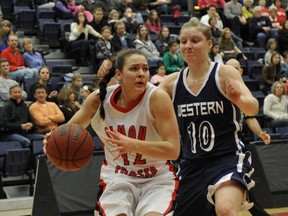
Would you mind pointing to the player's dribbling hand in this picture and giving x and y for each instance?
(47, 135)
(123, 143)
(233, 90)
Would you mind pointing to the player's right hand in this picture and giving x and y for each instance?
(47, 135)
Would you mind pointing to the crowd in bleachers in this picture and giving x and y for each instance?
(91, 32)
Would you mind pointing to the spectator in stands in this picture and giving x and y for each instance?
(284, 67)
(172, 59)
(247, 9)
(283, 37)
(76, 85)
(68, 103)
(62, 10)
(18, 70)
(120, 39)
(5, 30)
(228, 48)
(160, 5)
(46, 115)
(106, 5)
(113, 17)
(99, 20)
(272, 46)
(16, 120)
(154, 22)
(274, 20)
(212, 12)
(264, 10)
(86, 91)
(44, 76)
(130, 20)
(163, 39)
(144, 44)
(31, 58)
(271, 73)
(79, 37)
(233, 13)
(104, 46)
(281, 14)
(260, 28)
(275, 105)
(214, 53)
(123, 4)
(6, 83)
(77, 8)
(159, 76)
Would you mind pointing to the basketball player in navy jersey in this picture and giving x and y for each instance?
(208, 100)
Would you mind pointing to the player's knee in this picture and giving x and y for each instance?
(225, 210)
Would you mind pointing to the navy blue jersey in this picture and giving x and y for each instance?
(208, 122)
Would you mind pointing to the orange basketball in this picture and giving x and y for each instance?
(70, 147)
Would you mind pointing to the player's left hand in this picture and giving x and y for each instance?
(265, 137)
(123, 143)
(233, 90)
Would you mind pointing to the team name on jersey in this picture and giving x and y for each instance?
(200, 108)
(130, 131)
(147, 172)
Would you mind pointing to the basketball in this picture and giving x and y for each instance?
(69, 147)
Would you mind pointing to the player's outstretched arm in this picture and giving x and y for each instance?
(169, 148)
(254, 126)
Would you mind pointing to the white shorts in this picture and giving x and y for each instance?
(131, 199)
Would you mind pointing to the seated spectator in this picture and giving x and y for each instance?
(228, 48)
(123, 4)
(271, 73)
(247, 9)
(264, 10)
(76, 86)
(172, 59)
(281, 14)
(77, 8)
(163, 39)
(62, 10)
(211, 12)
(159, 76)
(275, 105)
(45, 115)
(272, 46)
(106, 5)
(86, 91)
(233, 13)
(68, 103)
(44, 76)
(283, 37)
(6, 83)
(89, 5)
(79, 37)
(144, 44)
(104, 47)
(205, 4)
(5, 30)
(284, 66)
(260, 28)
(154, 22)
(99, 21)
(160, 5)
(120, 39)
(18, 70)
(113, 18)
(31, 58)
(214, 53)
(274, 20)
(130, 20)
(16, 120)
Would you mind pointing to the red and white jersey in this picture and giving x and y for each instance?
(134, 121)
